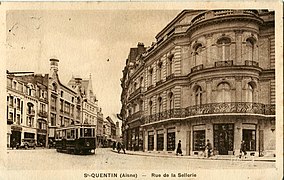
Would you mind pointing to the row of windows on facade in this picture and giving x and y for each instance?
(18, 119)
(28, 89)
(16, 101)
(197, 55)
(223, 95)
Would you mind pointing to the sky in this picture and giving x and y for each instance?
(83, 41)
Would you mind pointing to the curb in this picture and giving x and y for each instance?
(193, 157)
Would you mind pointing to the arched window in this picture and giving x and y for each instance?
(150, 77)
(159, 71)
(198, 96)
(224, 48)
(160, 105)
(141, 105)
(171, 100)
(141, 82)
(170, 64)
(250, 43)
(197, 54)
(223, 92)
(54, 87)
(150, 108)
(250, 92)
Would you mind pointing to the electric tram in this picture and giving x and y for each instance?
(76, 139)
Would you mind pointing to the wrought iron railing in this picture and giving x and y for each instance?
(136, 92)
(213, 108)
(42, 114)
(221, 13)
(197, 68)
(159, 82)
(223, 63)
(134, 116)
(150, 87)
(251, 63)
(171, 76)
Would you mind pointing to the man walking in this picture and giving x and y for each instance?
(208, 148)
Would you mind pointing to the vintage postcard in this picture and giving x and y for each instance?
(142, 90)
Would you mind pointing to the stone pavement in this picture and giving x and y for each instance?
(216, 157)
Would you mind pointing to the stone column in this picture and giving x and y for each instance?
(208, 90)
(165, 140)
(237, 136)
(238, 95)
(145, 140)
(238, 51)
(155, 140)
(209, 52)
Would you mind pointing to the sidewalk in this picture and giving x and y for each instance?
(216, 157)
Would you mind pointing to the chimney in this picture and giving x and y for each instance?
(141, 48)
(78, 81)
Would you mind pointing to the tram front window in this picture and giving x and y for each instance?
(88, 132)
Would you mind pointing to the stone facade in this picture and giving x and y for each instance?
(27, 107)
(210, 75)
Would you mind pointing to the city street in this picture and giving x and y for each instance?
(106, 164)
(41, 159)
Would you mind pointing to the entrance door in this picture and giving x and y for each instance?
(223, 138)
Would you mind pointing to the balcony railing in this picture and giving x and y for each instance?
(134, 116)
(221, 13)
(223, 63)
(31, 112)
(159, 82)
(197, 68)
(10, 121)
(171, 76)
(251, 63)
(42, 114)
(213, 108)
(136, 92)
(150, 87)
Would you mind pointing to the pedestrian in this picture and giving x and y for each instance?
(179, 151)
(113, 145)
(13, 144)
(243, 149)
(118, 147)
(208, 148)
(123, 148)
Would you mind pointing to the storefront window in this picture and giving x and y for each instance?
(250, 139)
(150, 141)
(160, 140)
(171, 139)
(198, 140)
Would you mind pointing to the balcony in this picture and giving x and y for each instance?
(214, 108)
(222, 13)
(9, 121)
(159, 82)
(251, 63)
(42, 114)
(171, 76)
(150, 87)
(135, 115)
(223, 63)
(31, 112)
(197, 68)
(136, 92)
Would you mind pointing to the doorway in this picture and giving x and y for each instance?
(224, 138)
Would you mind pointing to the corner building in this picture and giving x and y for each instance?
(209, 75)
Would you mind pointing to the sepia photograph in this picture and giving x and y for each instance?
(120, 91)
